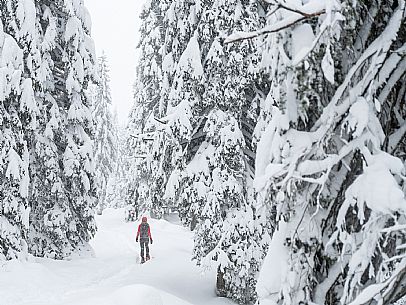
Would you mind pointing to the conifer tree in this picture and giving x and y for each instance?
(144, 187)
(115, 191)
(105, 138)
(208, 122)
(17, 108)
(47, 174)
(331, 134)
(62, 217)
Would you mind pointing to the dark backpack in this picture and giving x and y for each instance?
(144, 230)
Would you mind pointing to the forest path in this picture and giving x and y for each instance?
(114, 276)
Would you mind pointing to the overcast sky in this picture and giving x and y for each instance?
(115, 31)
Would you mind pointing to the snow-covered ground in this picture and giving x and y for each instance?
(114, 276)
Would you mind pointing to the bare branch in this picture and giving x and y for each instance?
(299, 16)
(140, 137)
(298, 11)
(160, 121)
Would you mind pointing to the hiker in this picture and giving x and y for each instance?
(144, 235)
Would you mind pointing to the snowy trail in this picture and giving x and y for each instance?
(114, 276)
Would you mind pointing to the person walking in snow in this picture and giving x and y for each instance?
(144, 236)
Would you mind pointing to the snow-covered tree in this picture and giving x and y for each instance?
(145, 179)
(135, 185)
(17, 110)
(63, 199)
(228, 229)
(116, 189)
(328, 164)
(182, 115)
(105, 135)
(208, 135)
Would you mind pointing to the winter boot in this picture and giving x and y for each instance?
(142, 260)
(147, 258)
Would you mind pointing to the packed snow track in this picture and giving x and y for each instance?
(114, 276)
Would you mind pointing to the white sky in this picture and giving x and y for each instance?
(115, 31)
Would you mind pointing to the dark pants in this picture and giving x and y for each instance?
(144, 244)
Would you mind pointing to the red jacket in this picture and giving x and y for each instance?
(139, 229)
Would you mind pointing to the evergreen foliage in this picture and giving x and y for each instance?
(47, 195)
(18, 109)
(201, 160)
(105, 134)
(283, 128)
(327, 158)
(145, 183)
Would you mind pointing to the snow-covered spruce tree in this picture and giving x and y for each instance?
(326, 162)
(185, 96)
(104, 136)
(227, 233)
(78, 155)
(209, 124)
(232, 86)
(62, 217)
(180, 99)
(192, 93)
(136, 161)
(145, 180)
(181, 76)
(182, 92)
(18, 111)
(115, 191)
(46, 153)
(134, 185)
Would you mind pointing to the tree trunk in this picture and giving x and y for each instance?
(193, 223)
(220, 284)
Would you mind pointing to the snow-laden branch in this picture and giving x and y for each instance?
(396, 70)
(293, 164)
(374, 290)
(309, 10)
(378, 48)
(396, 137)
(335, 271)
